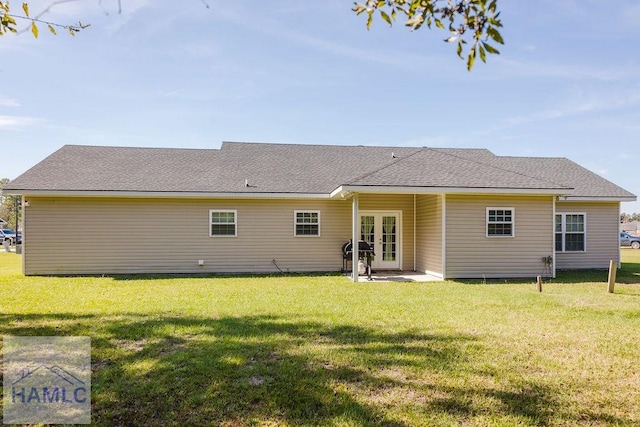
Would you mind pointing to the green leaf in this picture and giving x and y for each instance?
(490, 48)
(459, 49)
(369, 18)
(471, 58)
(359, 8)
(53, 30)
(439, 24)
(495, 35)
(386, 17)
(25, 7)
(34, 29)
(483, 54)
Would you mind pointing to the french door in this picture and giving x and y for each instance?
(382, 230)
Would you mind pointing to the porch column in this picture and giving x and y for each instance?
(355, 238)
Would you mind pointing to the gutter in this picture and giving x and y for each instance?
(167, 194)
(345, 191)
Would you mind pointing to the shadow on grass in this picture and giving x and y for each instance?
(167, 370)
(628, 273)
(168, 276)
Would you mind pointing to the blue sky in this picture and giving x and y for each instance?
(566, 84)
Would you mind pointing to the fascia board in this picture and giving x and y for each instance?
(169, 194)
(597, 199)
(446, 190)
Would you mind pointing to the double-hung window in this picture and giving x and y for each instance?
(223, 223)
(570, 232)
(500, 222)
(307, 223)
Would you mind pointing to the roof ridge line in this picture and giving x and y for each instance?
(391, 163)
(298, 144)
(505, 170)
(136, 147)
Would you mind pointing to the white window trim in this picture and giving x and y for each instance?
(295, 222)
(513, 223)
(564, 231)
(235, 222)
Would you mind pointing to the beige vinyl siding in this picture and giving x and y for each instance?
(471, 254)
(602, 239)
(126, 235)
(395, 202)
(429, 233)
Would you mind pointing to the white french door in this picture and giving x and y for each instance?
(382, 230)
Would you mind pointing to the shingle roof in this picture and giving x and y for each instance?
(564, 172)
(301, 169)
(438, 168)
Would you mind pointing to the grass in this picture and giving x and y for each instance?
(321, 350)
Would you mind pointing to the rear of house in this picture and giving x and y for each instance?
(450, 213)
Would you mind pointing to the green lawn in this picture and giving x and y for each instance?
(321, 350)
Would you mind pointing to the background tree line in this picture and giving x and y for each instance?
(9, 206)
(625, 217)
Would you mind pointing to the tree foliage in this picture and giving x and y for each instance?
(474, 23)
(8, 23)
(625, 217)
(9, 206)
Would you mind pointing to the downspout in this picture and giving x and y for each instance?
(355, 238)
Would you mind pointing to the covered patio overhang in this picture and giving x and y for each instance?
(354, 192)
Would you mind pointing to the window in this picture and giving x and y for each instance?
(570, 232)
(500, 222)
(223, 223)
(307, 223)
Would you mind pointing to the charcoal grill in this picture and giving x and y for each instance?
(365, 252)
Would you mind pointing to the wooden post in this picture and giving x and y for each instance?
(613, 267)
(539, 283)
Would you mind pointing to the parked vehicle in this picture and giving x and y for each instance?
(6, 234)
(627, 239)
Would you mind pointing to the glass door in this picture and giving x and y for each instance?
(382, 229)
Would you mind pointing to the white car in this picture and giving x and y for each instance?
(627, 239)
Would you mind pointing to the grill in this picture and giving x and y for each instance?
(365, 252)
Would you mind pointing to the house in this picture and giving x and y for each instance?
(253, 207)
(630, 227)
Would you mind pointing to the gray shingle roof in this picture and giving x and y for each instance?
(439, 168)
(301, 169)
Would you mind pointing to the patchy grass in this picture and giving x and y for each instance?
(309, 350)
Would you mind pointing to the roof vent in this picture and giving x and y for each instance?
(393, 155)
